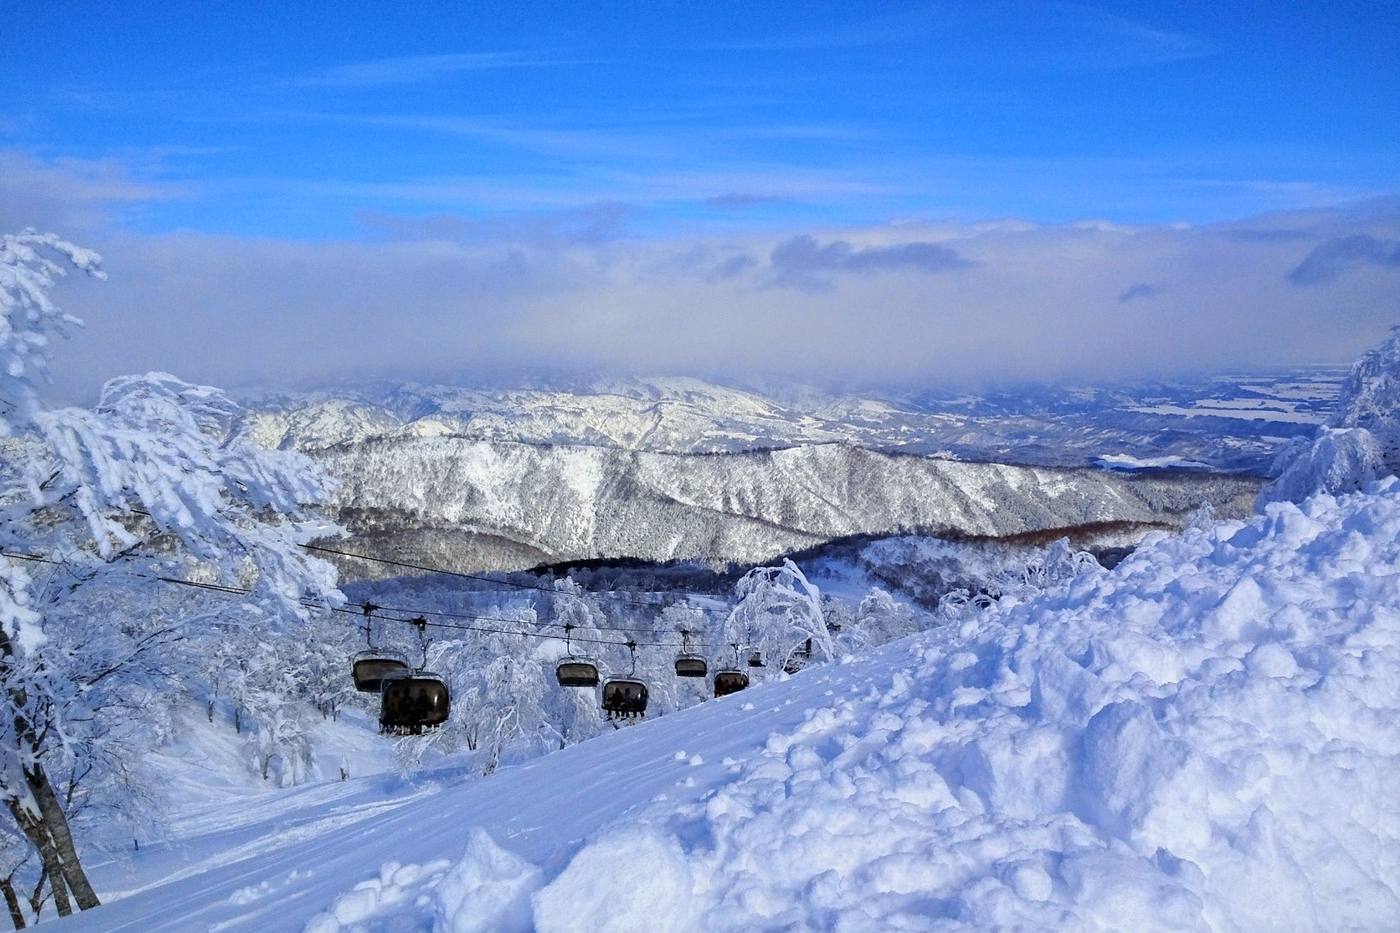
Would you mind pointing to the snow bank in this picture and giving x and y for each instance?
(630, 879)
(1207, 738)
(487, 890)
(397, 890)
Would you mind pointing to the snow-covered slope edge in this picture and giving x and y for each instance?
(1206, 737)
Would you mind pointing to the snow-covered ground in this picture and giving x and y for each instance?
(1206, 737)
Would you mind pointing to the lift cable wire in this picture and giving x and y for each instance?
(358, 612)
(495, 581)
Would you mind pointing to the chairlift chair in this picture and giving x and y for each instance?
(625, 697)
(411, 703)
(408, 705)
(574, 671)
(798, 659)
(689, 664)
(371, 667)
(731, 679)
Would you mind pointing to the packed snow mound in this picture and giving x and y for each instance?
(1360, 441)
(1206, 738)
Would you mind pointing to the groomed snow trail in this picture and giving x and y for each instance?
(1206, 738)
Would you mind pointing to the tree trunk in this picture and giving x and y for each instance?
(54, 871)
(57, 825)
(7, 888)
(238, 719)
(48, 832)
(38, 837)
(36, 899)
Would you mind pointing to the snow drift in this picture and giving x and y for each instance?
(1207, 737)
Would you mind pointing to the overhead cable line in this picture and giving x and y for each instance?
(358, 612)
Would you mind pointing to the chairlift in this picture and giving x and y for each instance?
(756, 658)
(371, 667)
(573, 671)
(689, 664)
(415, 701)
(412, 703)
(731, 679)
(625, 697)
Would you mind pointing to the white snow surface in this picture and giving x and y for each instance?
(1207, 737)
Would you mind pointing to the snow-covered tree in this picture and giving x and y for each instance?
(779, 614)
(1360, 441)
(153, 482)
(880, 618)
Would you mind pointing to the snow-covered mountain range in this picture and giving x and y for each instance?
(1227, 423)
(682, 469)
(471, 504)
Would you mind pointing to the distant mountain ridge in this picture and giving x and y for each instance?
(1225, 424)
(668, 469)
(471, 504)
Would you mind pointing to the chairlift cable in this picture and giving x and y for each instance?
(359, 611)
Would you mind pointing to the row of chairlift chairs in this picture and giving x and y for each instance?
(414, 700)
(626, 697)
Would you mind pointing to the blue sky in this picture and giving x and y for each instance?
(913, 192)
(312, 119)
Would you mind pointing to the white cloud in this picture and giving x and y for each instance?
(576, 290)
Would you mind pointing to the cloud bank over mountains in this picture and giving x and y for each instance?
(584, 291)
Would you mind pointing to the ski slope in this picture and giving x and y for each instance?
(1207, 737)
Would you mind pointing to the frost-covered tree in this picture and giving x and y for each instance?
(1360, 441)
(153, 482)
(779, 614)
(880, 618)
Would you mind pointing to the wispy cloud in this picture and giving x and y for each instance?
(70, 193)
(586, 224)
(415, 69)
(1025, 33)
(737, 200)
